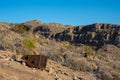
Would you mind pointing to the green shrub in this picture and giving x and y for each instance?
(66, 44)
(29, 43)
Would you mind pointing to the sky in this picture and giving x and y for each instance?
(67, 12)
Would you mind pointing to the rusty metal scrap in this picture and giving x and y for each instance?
(35, 61)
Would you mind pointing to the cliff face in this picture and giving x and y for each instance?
(97, 35)
(93, 35)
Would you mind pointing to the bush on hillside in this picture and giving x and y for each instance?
(88, 51)
(20, 28)
(76, 63)
(30, 45)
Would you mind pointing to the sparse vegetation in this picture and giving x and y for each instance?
(42, 41)
(30, 45)
(65, 44)
(88, 51)
(20, 28)
(79, 64)
(103, 63)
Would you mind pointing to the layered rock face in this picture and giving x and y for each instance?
(98, 35)
(94, 35)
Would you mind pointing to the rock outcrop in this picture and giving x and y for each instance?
(93, 35)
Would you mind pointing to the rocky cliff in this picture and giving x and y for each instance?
(93, 35)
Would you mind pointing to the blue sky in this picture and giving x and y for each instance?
(73, 12)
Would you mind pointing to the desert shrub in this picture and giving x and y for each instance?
(67, 46)
(20, 28)
(116, 74)
(104, 72)
(77, 64)
(88, 51)
(99, 51)
(42, 41)
(105, 76)
(30, 45)
(6, 44)
(65, 43)
(62, 49)
(56, 57)
(2, 45)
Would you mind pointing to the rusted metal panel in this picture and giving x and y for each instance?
(35, 61)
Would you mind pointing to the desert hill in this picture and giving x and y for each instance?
(90, 52)
(94, 34)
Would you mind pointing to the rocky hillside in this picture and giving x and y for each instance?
(11, 69)
(93, 35)
(90, 52)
